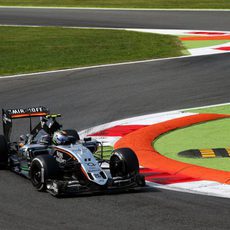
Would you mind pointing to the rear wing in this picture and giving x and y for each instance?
(25, 113)
(11, 114)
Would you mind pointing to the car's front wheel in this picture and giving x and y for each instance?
(42, 168)
(123, 163)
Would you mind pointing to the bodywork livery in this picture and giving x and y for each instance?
(75, 167)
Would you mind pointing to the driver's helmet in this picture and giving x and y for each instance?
(61, 138)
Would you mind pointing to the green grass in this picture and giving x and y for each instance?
(223, 109)
(107, 150)
(200, 44)
(213, 134)
(31, 49)
(196, 4)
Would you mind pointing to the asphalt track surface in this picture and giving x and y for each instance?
(116, 19)
(94, 96)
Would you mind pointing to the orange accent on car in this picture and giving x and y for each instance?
(28, 115)
(64, 151)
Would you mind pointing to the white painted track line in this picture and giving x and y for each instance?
(108, 9)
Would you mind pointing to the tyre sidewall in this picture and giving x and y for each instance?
(48, 167)
(128, 159)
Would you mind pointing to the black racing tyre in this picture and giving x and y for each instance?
(43, 167)
(123, 163)
(4, 151)
(72, 132)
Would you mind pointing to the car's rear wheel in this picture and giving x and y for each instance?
(42, 168)
(4, 151)
(123, 163)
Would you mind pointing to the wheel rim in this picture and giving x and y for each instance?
(117, 167)
(36, 176)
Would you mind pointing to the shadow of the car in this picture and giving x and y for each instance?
(146, 189)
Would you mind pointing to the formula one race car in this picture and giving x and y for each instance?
(57, 161)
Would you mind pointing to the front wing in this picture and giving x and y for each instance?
(62, 188)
